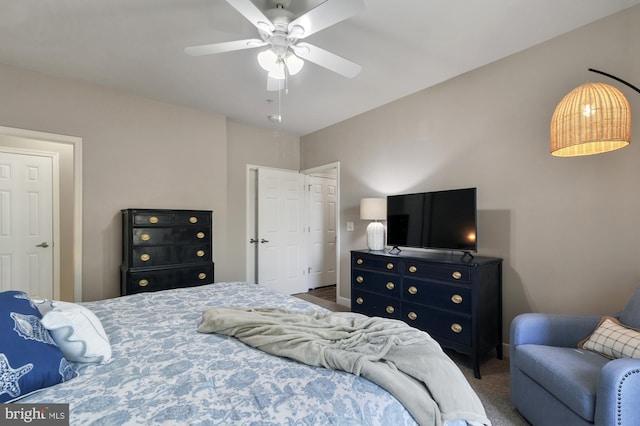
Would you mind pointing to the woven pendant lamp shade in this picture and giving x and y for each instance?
(591, 119)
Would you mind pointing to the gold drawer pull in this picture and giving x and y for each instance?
(457, 299)
(200, 253)
(390, 285)
(389, 266)
(359, 261)
(456, 328)
(359, 300)
(200, 235)
(412, 316)
(412, 290)
(144, 257)
(143, 283)
(456, 275)
(390, 309)
(153, 219)
(202, 275)
(193, 219)
(359, 279)
(145, 237)
(412, 269)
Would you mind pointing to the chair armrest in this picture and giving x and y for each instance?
(618, 393)
(551, 329)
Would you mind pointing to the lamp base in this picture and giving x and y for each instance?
(375, 236)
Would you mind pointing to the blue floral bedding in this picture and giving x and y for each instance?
(165, 372)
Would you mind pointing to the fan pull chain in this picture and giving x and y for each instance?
(286, 76)
(280, 100)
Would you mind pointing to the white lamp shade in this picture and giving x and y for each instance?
(294, 64)
(268, 60)
(373, 209)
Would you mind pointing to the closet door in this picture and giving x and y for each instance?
(322, 231)
(281, 237)
(26, 224)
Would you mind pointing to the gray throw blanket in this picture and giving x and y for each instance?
(405, 361)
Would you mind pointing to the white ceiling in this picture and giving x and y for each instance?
(403, 46)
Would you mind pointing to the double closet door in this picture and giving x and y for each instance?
(293, 240)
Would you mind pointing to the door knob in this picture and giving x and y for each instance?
(262, 240)
(43, 244)
(253, 241)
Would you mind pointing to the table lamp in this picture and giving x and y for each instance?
(374, 209)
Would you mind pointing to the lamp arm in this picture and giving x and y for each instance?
(616, 78)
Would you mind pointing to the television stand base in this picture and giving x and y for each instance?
(395, 250)
(465, 254)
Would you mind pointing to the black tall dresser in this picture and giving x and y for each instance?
(456, 299)
(163, 249)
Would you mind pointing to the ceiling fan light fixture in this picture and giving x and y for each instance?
(294, 64)
(268, 60)
(277, 73)
(274, 65)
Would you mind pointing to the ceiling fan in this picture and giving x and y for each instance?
(280, 29)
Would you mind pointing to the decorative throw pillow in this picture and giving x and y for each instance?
(613, 340)
(78, 332)
(29, 358)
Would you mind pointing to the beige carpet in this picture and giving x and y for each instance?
(493, 388)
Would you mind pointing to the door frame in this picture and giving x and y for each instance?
(55, 207)
(251, 218)
(76, 144)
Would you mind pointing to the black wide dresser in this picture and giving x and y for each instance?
(456, 299)
(163, 249)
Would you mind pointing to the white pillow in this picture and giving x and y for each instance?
(78, 333)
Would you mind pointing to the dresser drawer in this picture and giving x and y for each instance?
(170, 235)
(373, 304)
(439, 324)
(454, 273)
(169, 255)
(162, 279)
(449, 297)
(375, 263)
(193, 218)
(385, 284)
(154, 218)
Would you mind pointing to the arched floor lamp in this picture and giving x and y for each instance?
(592, 119)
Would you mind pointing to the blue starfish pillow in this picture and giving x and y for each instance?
(29, 358)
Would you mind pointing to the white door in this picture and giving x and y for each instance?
(322, 231)
(281, 262)
(26, 225)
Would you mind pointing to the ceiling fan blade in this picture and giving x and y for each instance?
(326, 59)
(253, 14)
(274, 84)
(324, 15)
(229, 46)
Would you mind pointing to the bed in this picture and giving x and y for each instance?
(163, 371)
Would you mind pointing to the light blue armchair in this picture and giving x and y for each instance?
(555, 383)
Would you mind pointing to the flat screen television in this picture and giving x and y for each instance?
(436, 220)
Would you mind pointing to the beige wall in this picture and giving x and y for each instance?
(141, 153)
(249, 145)
(137, 152)
(567, 228)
